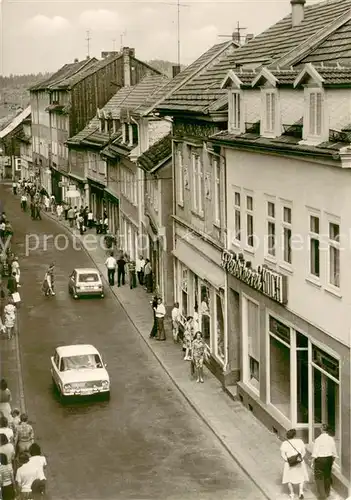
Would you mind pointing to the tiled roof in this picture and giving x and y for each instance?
(157, 153)
(16, 121)
(116, 149)
(145, 91)
(335, 76)
(68, 70)
(92, 127)
(263, 50)
(336, 47)
(284, 141)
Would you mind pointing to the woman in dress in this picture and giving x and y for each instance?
(198, 354)
(294, 474)
(188, 338)
(10, 318)
(7, 481)
(7, 448)
(5, 400)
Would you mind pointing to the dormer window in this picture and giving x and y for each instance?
(125, 133)
(234, 111)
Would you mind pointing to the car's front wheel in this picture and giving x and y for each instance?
(102, 295)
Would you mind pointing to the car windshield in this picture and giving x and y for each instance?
(88, 278)
(82, 361)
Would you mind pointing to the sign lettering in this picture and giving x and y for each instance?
(262, 279)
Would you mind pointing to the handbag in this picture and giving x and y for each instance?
(16, 297)
(294, 459)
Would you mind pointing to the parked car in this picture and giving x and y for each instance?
(85, 282)
(78, 370)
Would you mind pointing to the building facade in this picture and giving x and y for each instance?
(25, 138)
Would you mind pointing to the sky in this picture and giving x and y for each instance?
(42, 35)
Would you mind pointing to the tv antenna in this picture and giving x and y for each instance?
(178, 5)
(88, 38)
(122, 38)
(236, 35)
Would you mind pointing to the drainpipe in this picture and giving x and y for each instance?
(140, 181)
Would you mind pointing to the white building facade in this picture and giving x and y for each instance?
(288, 255)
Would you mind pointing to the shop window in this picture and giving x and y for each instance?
(279, 366)
(220, 344)
(287, 254)
(237, 216)
(302, 378)
(184, 290)
(205, 312)
(271, 229)
(249, 222)
(253, 344)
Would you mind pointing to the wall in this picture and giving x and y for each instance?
(157, 129)
(78, 159)
(306, 186)
(339, 107)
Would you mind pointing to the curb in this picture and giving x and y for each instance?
(19, 365)
(267, 494)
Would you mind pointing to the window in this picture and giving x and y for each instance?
(287, 257)
(134, 133)
(253, 344)
(219, 327)
(271, 228)
(205, 313)
(314, 246)
(235, 111)
(249, 222)
(198, 183)
(237, 216)
(125, 133)
(334, 254)
(279, 365)
(315, 113)
(270, 107)
(184, 290)
(217, 191)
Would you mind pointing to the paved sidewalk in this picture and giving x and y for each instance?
(248, 441)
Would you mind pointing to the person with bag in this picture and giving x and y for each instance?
(293, 452)
(324, 454)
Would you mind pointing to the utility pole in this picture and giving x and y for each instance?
(88, 38)
(178, 5)
(122, 38)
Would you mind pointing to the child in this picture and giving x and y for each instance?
(175, 321)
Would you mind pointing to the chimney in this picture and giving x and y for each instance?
(127, 54)
(249, 36)
(76, 60)
(297, 11)
(236, 37)
(175, 70)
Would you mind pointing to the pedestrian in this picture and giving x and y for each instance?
(160, 312)
(10, 318)
(198, 349)
(132, 274)
(16, 271)
(6, 429)
(7, 448)
(80, 224)
(323, 455)
(25, 476)
(105, 225)
(196, 319)
(148, 276)
(37, 215)
(2, 229)
(24, 200)
(111, 265)
(52, 203)
(38, 461)
(90, 219)
(14, 187)
(59, 210)
(175, 321)
(46, 202)
(15, 414)
(153, 303)
(7, 480)
(12, 283)
(293, 452)
(205, 317)
(32, 210)
(5, 400)
(25, 434)
(70, 216)
(85, 215)
(139, 264)
(121, 270)
(188, 338)
(49, 281)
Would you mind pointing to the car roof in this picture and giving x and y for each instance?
(86, 270)
(76, 349)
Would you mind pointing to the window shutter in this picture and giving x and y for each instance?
(319, 113)
(312, 113)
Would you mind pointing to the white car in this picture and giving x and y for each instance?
(85, 282)
(78, 370)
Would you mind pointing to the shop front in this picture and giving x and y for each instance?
(80, 187)
(112, 208)
(96, 198)
(57, 184)
(200, 285)
(293, 375)
(128, 237)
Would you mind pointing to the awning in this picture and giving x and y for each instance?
(73, 194)
(199, 264)
(112, 195)
(77, 178)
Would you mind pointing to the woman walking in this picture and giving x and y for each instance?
(295, 471)
(48, 283)
(188, 338)
(5, 400)
(7, 480)
(197, 354)
(10, 318)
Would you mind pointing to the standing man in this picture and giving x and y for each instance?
(24, 202)
(121, 270)
(323, 456)
(139, 265)
(111, 265)
(148, 276)
(14, 187)
(160, 313)
(70, 216)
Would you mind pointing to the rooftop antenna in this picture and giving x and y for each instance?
(179, 5)
(122, 38)
(236, 35)
(88, 38)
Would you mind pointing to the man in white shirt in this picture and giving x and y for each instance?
(139, 267)
(111, 265)
(175, 321)
(26, 475)
(324, 453)
(24, 202)
(160, 313)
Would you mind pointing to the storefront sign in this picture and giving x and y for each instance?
(262, 279)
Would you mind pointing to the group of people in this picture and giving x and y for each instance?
(324, 454)
(22, 465)
(138, 271)
(31, 196)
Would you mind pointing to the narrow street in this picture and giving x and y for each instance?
(146, 442)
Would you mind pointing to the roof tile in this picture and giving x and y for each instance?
(157, 153)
